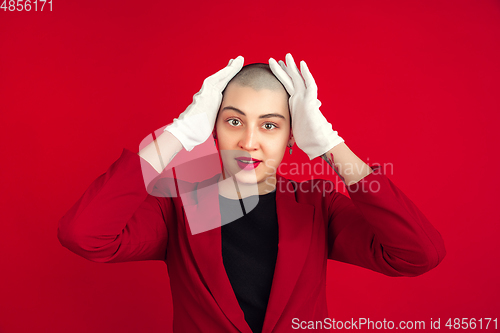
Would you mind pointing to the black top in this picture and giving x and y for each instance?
(249, 252)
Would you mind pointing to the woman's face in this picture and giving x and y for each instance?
(253, 124)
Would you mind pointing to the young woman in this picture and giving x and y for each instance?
(246, 249)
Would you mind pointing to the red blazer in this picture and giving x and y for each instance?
(120, 219)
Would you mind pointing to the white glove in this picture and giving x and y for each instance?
(312, 132)
(196, 123)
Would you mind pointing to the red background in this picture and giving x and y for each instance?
(413, 83)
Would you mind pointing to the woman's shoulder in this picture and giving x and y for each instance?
(170, 186)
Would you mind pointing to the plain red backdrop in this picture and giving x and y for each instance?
(414, 84)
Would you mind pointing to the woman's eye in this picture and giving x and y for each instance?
(231, 121)
(271, 124)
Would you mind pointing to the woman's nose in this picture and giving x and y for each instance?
(249, 140)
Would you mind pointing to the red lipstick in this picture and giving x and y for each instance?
(247, 163)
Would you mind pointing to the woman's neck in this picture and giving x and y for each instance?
(230, 188)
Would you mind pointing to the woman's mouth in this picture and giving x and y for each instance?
(247, 164)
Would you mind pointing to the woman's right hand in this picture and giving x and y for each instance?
(196, 123)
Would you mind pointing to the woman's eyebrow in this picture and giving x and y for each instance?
(268, 115)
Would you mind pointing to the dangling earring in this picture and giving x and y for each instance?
(290, 151)
(214, 142)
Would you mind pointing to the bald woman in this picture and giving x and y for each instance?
(246, 249)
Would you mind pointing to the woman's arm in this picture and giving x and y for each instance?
(379, 227)
(161, 151)
(349, 167)
(116, 219)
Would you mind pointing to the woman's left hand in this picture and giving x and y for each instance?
(312, 132)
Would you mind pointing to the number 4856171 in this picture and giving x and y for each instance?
(26, 5)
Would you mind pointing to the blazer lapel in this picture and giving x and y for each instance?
(203, 222)
(295, 230)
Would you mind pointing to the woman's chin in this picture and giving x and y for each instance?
(246, 177)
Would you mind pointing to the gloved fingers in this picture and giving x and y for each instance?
(308, 78)
(281, 74)
(294, 73)
(282, 64)
(233, 67)
(287, 71)
(220, 79)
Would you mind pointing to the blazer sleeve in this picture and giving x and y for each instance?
(381, 229)
(116, 219)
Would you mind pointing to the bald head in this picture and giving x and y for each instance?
(257, 76)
